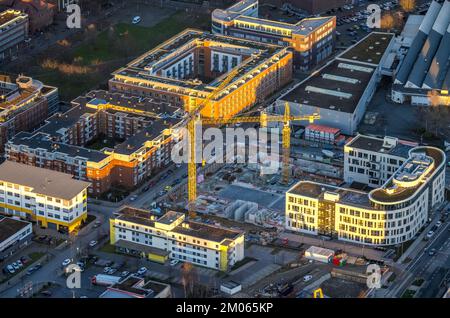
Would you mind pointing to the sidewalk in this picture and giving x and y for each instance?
(415, 248)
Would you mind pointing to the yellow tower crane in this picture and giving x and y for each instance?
(194, 116)
(263, 119)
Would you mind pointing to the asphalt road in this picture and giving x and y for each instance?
(424, 265)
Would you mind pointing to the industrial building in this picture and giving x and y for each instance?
(13, 32)
(141, 130)
(187, 68)
(311, 39)
(390, 214)
(341, 90)
(14, 235)
(171, 236)
(24, 105)
(423, 75)
(53, 199)
(372, 160)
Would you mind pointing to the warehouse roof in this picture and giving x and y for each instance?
(440, 64)
(10, 226)
(42, 181)
(370, 49)
(339, 85)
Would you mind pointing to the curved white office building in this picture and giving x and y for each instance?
(390, 214)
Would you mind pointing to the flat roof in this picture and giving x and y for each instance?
(329, 92)
(339, 85)
(170, 217)
(9, 15)
(261, 54)
(134, 285)
(195, 229)
(317, 190)
(375, 144)
(42, 181)
(10, 226)
(370, 49)
(402, 193)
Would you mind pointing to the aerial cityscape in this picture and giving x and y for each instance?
(253, 149)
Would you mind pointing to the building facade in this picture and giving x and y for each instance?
(40, 12)
(24, 105)
(372, 161)
(142, 132)
(311, 39)
(171, 236)
(186, 69)
(13, 32)
(14, 235)
(391, 214)
(54, 200)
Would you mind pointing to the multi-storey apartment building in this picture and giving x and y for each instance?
(311, 39)
(372, 161)
(144, 132)
(171, 236)
(13, 32)
(187, 68)
(390, 214)
(53, 199)
(24, 105)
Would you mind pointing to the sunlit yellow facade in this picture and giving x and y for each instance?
(391, 214)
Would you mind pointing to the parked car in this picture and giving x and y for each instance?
(438, 223)
(10, 269)
(66, 262)
(432, 252)
(307, 278)
(124, 273)
(430, 234)
(136, 20)
(92, 243)
(112, 271)
(97, 224)
(16, 267)
(142, 271)
(106, 269)
(174, 262)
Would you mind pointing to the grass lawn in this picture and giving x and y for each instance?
(35, 256)
(108, 248)
(90, 64)
(110, 44)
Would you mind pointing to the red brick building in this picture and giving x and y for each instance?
(40, 12)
